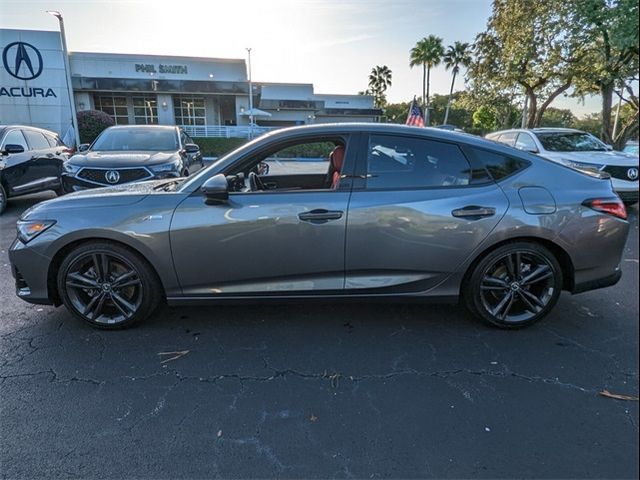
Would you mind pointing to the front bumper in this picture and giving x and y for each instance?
(30, 269)
(626, 189)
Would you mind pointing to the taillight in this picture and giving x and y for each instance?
(611, 206)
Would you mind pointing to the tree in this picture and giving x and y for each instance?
(457, 55)
(609, 30)
(397, 112)
(485, 119)
(427, 52)
(379, 81)
(557, 117)
(527, 45)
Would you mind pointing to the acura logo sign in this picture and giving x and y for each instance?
(22, 60)
(632, 174)
(112, 176)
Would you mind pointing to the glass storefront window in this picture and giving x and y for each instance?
(115, 106)
(145, 110)
(189, 110)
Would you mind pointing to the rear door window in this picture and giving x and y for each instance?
(397, 162)
(508, 138)
(36, 140)
(525, 142)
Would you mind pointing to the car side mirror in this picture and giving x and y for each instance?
(531, 150)
(10, 148)
(191, 148)
(216, 190)
(609, 148)
(83, 147)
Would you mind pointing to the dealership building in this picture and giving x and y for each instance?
(208, 96)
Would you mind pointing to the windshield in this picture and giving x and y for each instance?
(127, 139)
(570, 142)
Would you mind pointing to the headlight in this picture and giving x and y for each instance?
(166, 167)
(70, 167)
(30, 229)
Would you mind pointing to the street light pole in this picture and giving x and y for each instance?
(250, 98)
(67, 69)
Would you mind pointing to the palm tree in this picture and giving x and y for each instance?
(379, 81)
(457, 55)
(428, 52)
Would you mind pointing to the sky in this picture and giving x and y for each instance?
(330, 43)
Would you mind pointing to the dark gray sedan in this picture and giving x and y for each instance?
(360, 211)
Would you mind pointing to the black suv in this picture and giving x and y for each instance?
(132, 153)
(31, 161)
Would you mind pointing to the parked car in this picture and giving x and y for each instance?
(580, 150)
(30, 161)
(399, 213)
(632, 148)
(132, 153)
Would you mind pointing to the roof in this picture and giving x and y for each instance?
(3, 127)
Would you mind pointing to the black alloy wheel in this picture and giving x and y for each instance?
(515, 285)
(108, 285)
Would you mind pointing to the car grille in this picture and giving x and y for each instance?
(621, 172)
(125, 175)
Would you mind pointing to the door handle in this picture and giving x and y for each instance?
(320, 215)
(473, 212)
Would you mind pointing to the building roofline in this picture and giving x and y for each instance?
(175, 57)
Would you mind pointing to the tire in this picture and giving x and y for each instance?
(131, 293)
(3, 199)
(505, 296)
(185, 173)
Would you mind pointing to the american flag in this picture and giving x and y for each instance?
(415, 115)
(415, 118)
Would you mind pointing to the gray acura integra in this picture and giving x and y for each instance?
(384, 212)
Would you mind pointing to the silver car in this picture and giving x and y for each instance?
(362, 211)
(579, 150)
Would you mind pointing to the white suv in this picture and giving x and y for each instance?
(579, 150)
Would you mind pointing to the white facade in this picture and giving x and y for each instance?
(33, 84)
(152, 89)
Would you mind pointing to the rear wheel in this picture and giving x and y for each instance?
(108, 285)
(3, 199)
(515, 285)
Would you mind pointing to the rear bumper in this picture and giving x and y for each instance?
(597, 283)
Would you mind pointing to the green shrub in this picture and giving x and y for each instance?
(216, 147)
(91, 123)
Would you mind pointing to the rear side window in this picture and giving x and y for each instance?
(395, 162)
(54, 141)
(36, 140)
(498, 165)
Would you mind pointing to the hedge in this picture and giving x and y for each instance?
(215, 147)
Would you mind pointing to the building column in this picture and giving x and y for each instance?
(166, 114)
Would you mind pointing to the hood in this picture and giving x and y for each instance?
(106, 159)
(600, 158)
(116, 196)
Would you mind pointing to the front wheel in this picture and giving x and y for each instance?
(515, 285)
(108, 285)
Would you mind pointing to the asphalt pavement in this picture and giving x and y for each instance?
(320, 390)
